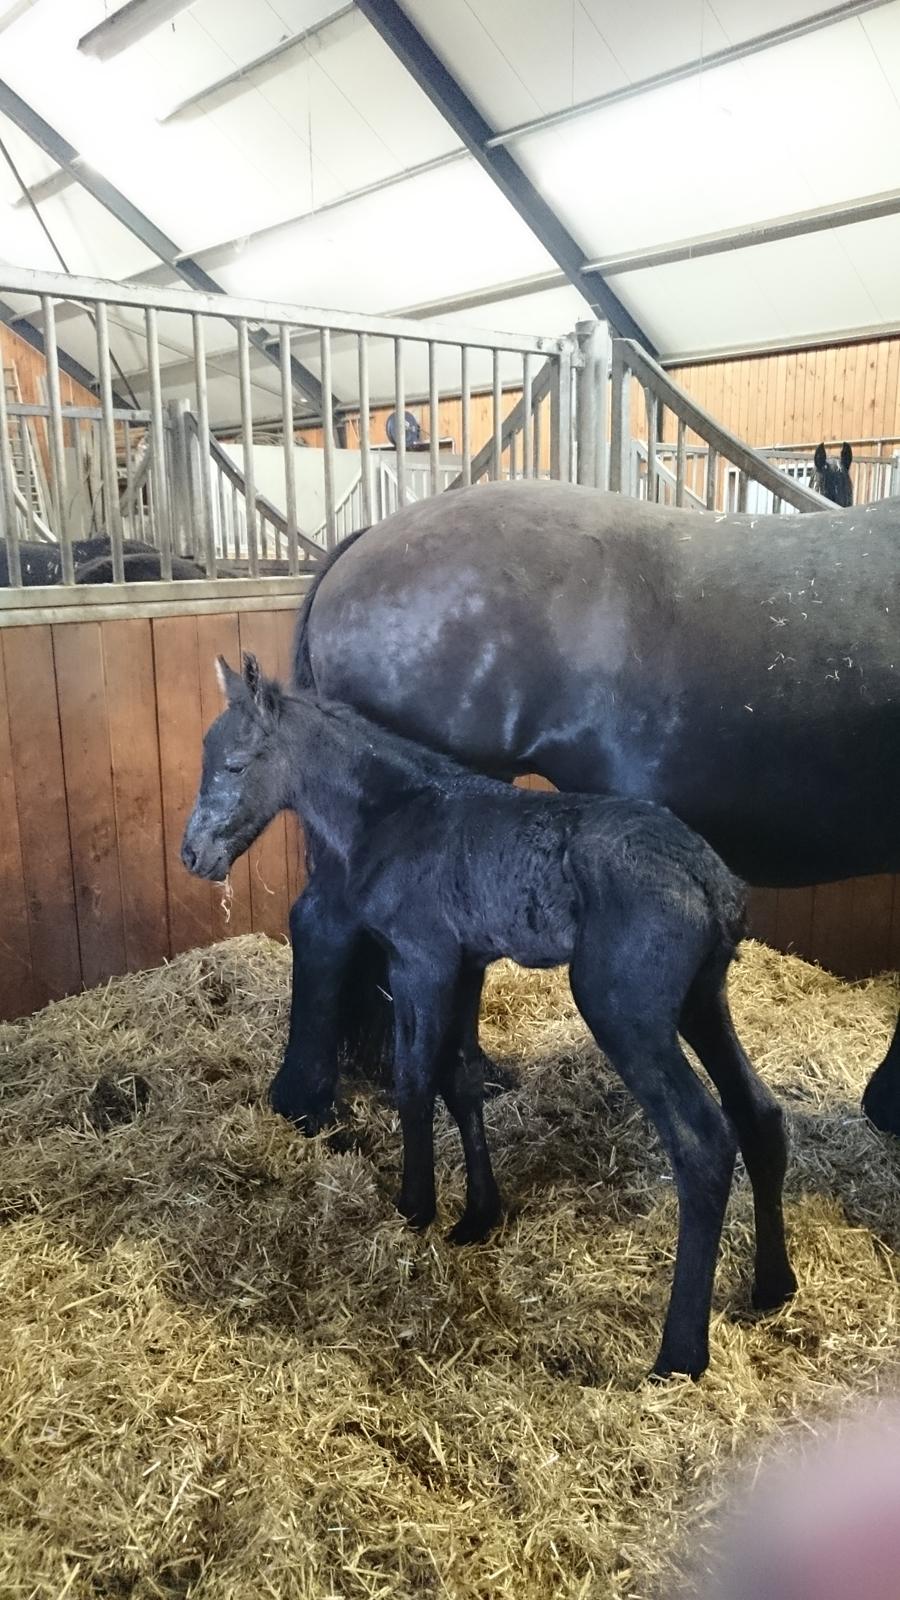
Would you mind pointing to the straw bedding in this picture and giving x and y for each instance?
(227, 1369)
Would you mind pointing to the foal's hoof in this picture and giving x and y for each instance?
(474, 1226)
(499, 1080)
(666, 1368)
(308, 1119)
(770, 1293)
(881, 1102)
(419, 1215)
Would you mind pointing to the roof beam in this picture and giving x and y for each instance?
(125, 27)
(691, 69)
(451, 100)
(159, 243)
(237, 79)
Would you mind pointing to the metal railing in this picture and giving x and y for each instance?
(153, 471)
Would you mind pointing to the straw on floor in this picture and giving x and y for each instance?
(228, 1370)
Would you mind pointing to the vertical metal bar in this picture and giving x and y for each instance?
(652, 443)
(236, 523)
(585, 403)
(742, 491)
(287, 437)
(129, 480)
(712, 466)
(465, 389)
(109, 466)
(365, 443)
(511, 456)
(602, 348)
(223, 516)
(497, 420)
(679, 464)
(620, 423)
(160, 513)
(527, 419)
(7, 495)
(179, 476)
(25, 447)
(327, 437)
(400, 421)
(58, 496)
(561, 416)
(247, 441)
(776, 504)
(200, 384)
(434, 431)
(538, 439)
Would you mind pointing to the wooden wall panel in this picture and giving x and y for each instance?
(18, 991)
(220, 636)
(268, 857)
(180, 743)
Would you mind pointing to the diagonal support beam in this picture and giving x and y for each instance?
(73, 369)
(443, 90)
(65, 155)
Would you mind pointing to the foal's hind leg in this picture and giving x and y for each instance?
(881, 1101)
(758, 1121)
(636, 1029)
(322, 940)
(461, 1087)
(423, 983)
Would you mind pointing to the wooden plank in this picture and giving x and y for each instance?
(839, 413)
(38, 774)
(831, 918)
(763, 915)
(828, 399)
(180, 743)
(868, 948)
(134, 749)
(268, 857)
(220, 636)
(793, 926)
(285, 625)
(890, 391)
(879, 399)
(815, 395)
(779, 423)
(18, 995)
(84, 728)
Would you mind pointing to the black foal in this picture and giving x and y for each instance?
(449, 871)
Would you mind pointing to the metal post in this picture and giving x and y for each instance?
(288, 444)
(511, 451)
(712, 463)
(159, 505)
(58, 497)
(561, 416)
(527, 419)
(25, 447)
(434, 440)
(585, 403)
(7, 494)
(776, 505)
(176, 411)
(205, 463)
(247, 441)
(679, 465)
(538, 431)
(466, 401)
(497, 420)
(400, 421)
(365, 443)
(620, 424)
(110, 470)
(742, 491)
(601, 346)
(327, 437)
(652, 444)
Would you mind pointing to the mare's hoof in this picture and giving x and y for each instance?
(769, 1294)
(881, 1102)
(474, 1227)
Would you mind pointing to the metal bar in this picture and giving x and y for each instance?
(130, 507)
(132, 21)
(620, 423)
(712, 472)
(679, 464)
(223, 513)
(111, 509)
(400, 420)
(77, 413)
(512, 457)
(652, 444)
(527, 420)
(159, 503)
(7, 494)
(434, 442)
(742, 491)
(25, 447)
(328, 439)
(238, 78)
(538, 438)
(365, 443)
(497, 419)
(465, 397)
(202, 389)
(58, 498)
(247, 440)
(287, 435)
(690, 69)
(601, 354)
(586, 404)
(776, 504)
(429, 72)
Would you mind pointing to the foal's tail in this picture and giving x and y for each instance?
(303, 674)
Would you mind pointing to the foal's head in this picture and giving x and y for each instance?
(833, 479)
(245, 772)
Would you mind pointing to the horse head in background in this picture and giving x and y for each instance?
(832, 479)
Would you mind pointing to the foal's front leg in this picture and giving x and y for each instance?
(460, 1081)
(423, 1009)
(322, 941)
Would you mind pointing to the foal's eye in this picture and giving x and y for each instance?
(237, 763)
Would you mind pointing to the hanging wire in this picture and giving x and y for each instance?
(29, 198)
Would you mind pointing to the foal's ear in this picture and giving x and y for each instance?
(230, 682)
(846, 456)
(820, 459)
(265, 694)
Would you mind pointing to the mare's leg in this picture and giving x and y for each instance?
(423, 984)
(494, 1078)
(881, 1101)
(322, 942)
(460, 1082)
(636, 1027)
(758, 1121)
